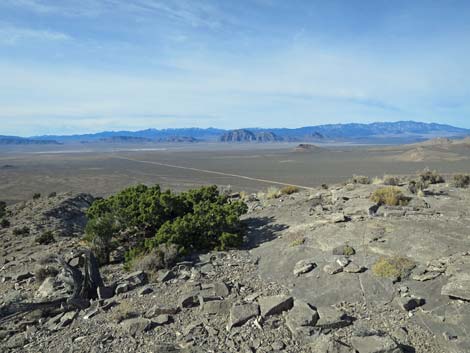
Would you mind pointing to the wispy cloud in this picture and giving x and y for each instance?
(11, 35)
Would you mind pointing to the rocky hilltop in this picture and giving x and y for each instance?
(321, 270)
(243, 135)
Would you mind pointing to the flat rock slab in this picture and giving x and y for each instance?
(458, 286)
(276, 304)
(375, 344)
(326, 344)
(216, 307)
(241, 313)
(301, 316)
(331, 318)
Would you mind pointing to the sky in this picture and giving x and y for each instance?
(69, 66)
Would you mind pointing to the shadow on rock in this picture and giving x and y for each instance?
(261, 230)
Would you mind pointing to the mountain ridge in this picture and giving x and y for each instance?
(394, 132)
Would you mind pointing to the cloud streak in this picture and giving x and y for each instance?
(10, 35)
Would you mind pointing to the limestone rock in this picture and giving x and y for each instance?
(302, 315)
(241, 313)
(375, 344)
(136, 326)
(304, 266)
(331, 318)
(458, 286)
(274, 305)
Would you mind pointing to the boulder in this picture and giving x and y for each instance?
(136, 279)
(301, 316)
(275, 305)
(327, 344)
(304, 266)
(241, 313)
(136, 325)
(189, 300)
(331, 318)
(145, 291)
(216, 307)
(162, 319)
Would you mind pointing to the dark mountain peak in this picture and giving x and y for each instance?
(243, 135)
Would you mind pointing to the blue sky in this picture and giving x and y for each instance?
(69, 66)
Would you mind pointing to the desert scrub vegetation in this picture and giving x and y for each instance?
(360, 179)
(272, 193)
(391, 180)
(36, 196)
(142, 218)
(45, 238)
(393, 267)
(4, 223)
(3, 209)
(390, 196)
(461, 180)
(430, 177)
(289, 190)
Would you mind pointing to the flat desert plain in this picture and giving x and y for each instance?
(102, 170)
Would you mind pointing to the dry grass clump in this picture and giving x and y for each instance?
(360, 179)
(123, 312)
(272, 193)
(288, 190)
(390, 196)
(164, 256)
(297, 241)
(392, 267)
(45, 238)
(391, 180)
(461, 180)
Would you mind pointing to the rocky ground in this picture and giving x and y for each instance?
(307, 280)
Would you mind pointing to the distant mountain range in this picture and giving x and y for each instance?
(387, 133)
(15, 140)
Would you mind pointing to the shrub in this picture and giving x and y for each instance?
(461, 181)
(21, 231)
(45, 238)
(3, 209)
(391, 180)
(360, 179)
(393, 267)
(5, 223)
(324, 186)
(99, 232)
(288, 190)
(44, 272)
(417, 186)
(430, 177)
(196, 220)
(36, 196)
(390, 196)
(52, 194)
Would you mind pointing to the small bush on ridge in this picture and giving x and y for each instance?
(390, 196)
(45, 238)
